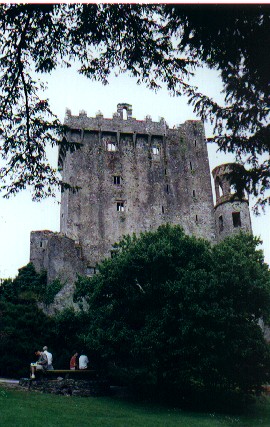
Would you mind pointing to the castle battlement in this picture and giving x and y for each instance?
(133, 176)
(118, 123)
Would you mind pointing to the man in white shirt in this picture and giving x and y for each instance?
(83, 361)
(49, 357)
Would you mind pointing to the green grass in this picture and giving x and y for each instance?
(30, 409)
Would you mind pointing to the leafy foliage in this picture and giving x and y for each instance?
(169, 309)
(159, 45)
(28, 285)
(51, 291)
(25, 328)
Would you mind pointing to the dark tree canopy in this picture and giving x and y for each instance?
(171, 310)
(158, 44)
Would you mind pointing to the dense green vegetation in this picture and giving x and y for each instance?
(170, 310)
(22, 409)
(169, 315)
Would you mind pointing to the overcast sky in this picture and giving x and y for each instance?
(67, 89)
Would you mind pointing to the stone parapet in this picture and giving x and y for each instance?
(117, 123)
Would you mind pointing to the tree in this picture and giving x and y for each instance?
(25, 328)
(171, 310)
(159, 44)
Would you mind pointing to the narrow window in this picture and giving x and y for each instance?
(195, 143)
(162, 209)
(232, 189)
(111, 146)
(90, 271)
(236, 219)
(165, 171)
(220, 223)
(194, 194)
(220, 189)
(155, 150)
(117, 180)
(120, 206)
(190, 166)
(40, 244)
(124, 114)
(196, 218)
(167, 188)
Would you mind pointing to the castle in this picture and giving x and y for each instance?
(133, 175)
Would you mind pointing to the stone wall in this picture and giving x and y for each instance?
(231, 212)
(68, 387)
(62, 258)
(133, 176)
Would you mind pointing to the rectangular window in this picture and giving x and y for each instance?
(196, 218)
(117, 180)
(120, 206)
(236, 219)
(111, 146)
(167, 188)
(190, 166)
(194, 194)
(90, 271)
(220, 223)
(155, 150)
(162, 208)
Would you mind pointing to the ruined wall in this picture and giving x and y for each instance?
(133, 176)
(231, 212)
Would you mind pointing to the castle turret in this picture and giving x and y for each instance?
(232, 207)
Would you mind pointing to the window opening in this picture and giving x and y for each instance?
(155, 150)
(165, 171)
(232, 189)
(236, 219)
(120, 206)
(220, 223)
(117, 179)
(111, 146)
(195, 142)
(40, 244)
(90, 271)
(190, 165)
(162, 208)
(124, 114)
(196, 218)
(194, 194)
(167, 188)
(220, 189)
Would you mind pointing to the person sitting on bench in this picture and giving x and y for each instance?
(83, 361)
(41, 364)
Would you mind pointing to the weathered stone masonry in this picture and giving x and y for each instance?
(133, 176)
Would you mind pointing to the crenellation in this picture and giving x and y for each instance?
(133, 176)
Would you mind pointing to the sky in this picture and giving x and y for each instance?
(67, 89)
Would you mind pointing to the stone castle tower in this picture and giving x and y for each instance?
(133, 176)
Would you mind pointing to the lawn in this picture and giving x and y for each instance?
(30, 409)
